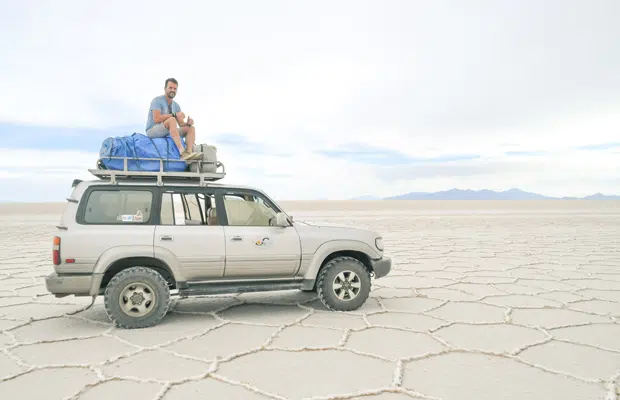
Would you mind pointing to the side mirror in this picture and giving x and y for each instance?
(282, 220)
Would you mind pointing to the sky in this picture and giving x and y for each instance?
(321, 99)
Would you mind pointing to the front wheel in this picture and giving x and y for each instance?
(343, 284)
(137, 297)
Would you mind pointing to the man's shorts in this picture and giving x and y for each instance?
(160, 131)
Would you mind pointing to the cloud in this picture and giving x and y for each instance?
(551, 174)
(365, 98)
(525, 153)
(482, 168)
(59, 138)
(242, 145)
(41, 175)
(366, 154)
(601, 146)
(29, 187)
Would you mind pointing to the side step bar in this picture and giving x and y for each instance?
(198, 289)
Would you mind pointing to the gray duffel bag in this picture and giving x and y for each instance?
(209, 160)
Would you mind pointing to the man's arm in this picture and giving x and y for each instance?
(156, 109)
(158, 117)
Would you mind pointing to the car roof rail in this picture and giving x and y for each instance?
(133, 173)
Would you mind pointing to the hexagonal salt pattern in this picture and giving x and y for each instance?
(493, 306)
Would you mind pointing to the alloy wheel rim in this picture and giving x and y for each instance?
(346, 285)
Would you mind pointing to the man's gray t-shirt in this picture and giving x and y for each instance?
(160, 103)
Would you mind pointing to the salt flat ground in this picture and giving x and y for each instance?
(486, 300)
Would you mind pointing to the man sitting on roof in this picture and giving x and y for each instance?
(166, 118)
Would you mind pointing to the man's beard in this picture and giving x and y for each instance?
(171, 94)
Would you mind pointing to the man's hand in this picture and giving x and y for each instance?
(190, 121)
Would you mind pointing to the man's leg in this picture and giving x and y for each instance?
(175, 133)
(162, 130)
(171, 125)
(189, 132)
(157, 131)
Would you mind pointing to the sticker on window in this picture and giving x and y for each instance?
(125, 218)
(138, 217)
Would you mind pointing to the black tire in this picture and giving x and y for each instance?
(352, 269)
(155, 296)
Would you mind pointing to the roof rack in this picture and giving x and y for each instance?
(202, 177)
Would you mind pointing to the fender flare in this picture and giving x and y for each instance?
(335, 246)
(119, 253)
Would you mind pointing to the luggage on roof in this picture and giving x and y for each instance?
(138, 156)
(137, 148)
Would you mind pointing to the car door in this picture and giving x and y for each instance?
(188, 236)
(254, 248)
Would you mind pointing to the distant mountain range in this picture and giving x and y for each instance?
(485, 194)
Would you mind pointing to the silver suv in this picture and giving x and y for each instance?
(139, 237)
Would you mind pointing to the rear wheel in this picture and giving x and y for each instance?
(343, 284)
(137, 297)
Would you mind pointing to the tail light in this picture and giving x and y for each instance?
(56, 251)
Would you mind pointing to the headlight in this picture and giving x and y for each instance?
(379, 243)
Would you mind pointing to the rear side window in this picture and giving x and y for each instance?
(180, 207)
(118, 207)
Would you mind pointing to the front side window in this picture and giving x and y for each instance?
(123, 206)
(244, 209)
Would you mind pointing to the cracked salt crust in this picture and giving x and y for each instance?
(564, 297)
(299, 336)
(401, 320)
(554, 318)
(613, 296)
(493, 338)
(129, 389)
(379, 342)
(412, 304)
(599, 307)
(521, 300)
(579, 360)
(600, 335)
(481, 376)
(506, 308)
(469, 312)
(448, 294)
(224, 341)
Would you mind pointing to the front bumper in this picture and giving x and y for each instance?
(382, 266)
(65, 285)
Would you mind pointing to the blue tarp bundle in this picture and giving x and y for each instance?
(138, 146)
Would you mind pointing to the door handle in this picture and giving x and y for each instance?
(165, 237)
(236, 238)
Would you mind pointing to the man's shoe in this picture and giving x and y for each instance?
(186, 155)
